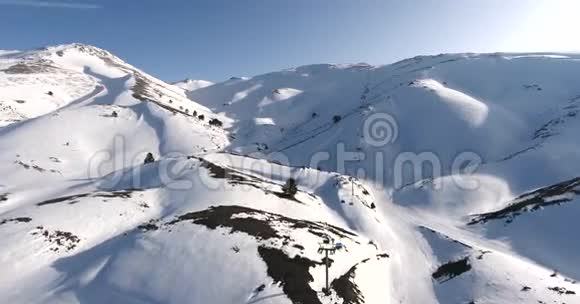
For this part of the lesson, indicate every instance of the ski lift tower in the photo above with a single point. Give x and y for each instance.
(351, 188)
(328, 247)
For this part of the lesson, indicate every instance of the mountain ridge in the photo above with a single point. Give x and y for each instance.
(119, 187)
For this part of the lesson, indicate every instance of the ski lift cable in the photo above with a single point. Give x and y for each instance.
(327, 126)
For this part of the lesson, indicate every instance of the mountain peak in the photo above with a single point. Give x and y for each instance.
(426, 179)
(188, 84)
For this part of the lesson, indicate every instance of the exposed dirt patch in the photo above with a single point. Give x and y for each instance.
(145, 91)
(532, 201)
(238, 178)
(73, 199)
(292, 273)
(58, 239)
(217, 171)
(30, 68)
(451, 269)
(254, 222)
(24, 165)
(34, 167)
(16, 220)
(3, 197)
(562, 290)
(347, 289)
(223, 216)
(148, 227)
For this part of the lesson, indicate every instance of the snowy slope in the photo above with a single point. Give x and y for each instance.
(192, 84)
(516, 112)
(73, 74)
(84, 220)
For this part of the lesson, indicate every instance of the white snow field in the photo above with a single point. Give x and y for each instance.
(192, 84)
(488, 213)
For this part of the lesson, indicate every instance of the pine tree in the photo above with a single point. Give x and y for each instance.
(290, 187)
(149, 158)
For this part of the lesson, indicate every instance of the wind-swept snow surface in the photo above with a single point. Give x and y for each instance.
(192, 84)
(445, 179)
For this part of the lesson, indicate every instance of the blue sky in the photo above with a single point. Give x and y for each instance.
(217, 39)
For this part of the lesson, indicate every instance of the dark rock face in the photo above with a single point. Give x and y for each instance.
(225, 217)
(215, 122)
(347, 289)
(292, 273)
(532, 201)
(73, 199)
(451, 269)
(16, 220)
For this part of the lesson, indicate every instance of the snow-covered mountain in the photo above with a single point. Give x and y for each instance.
(446, 179)
(192, 84)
